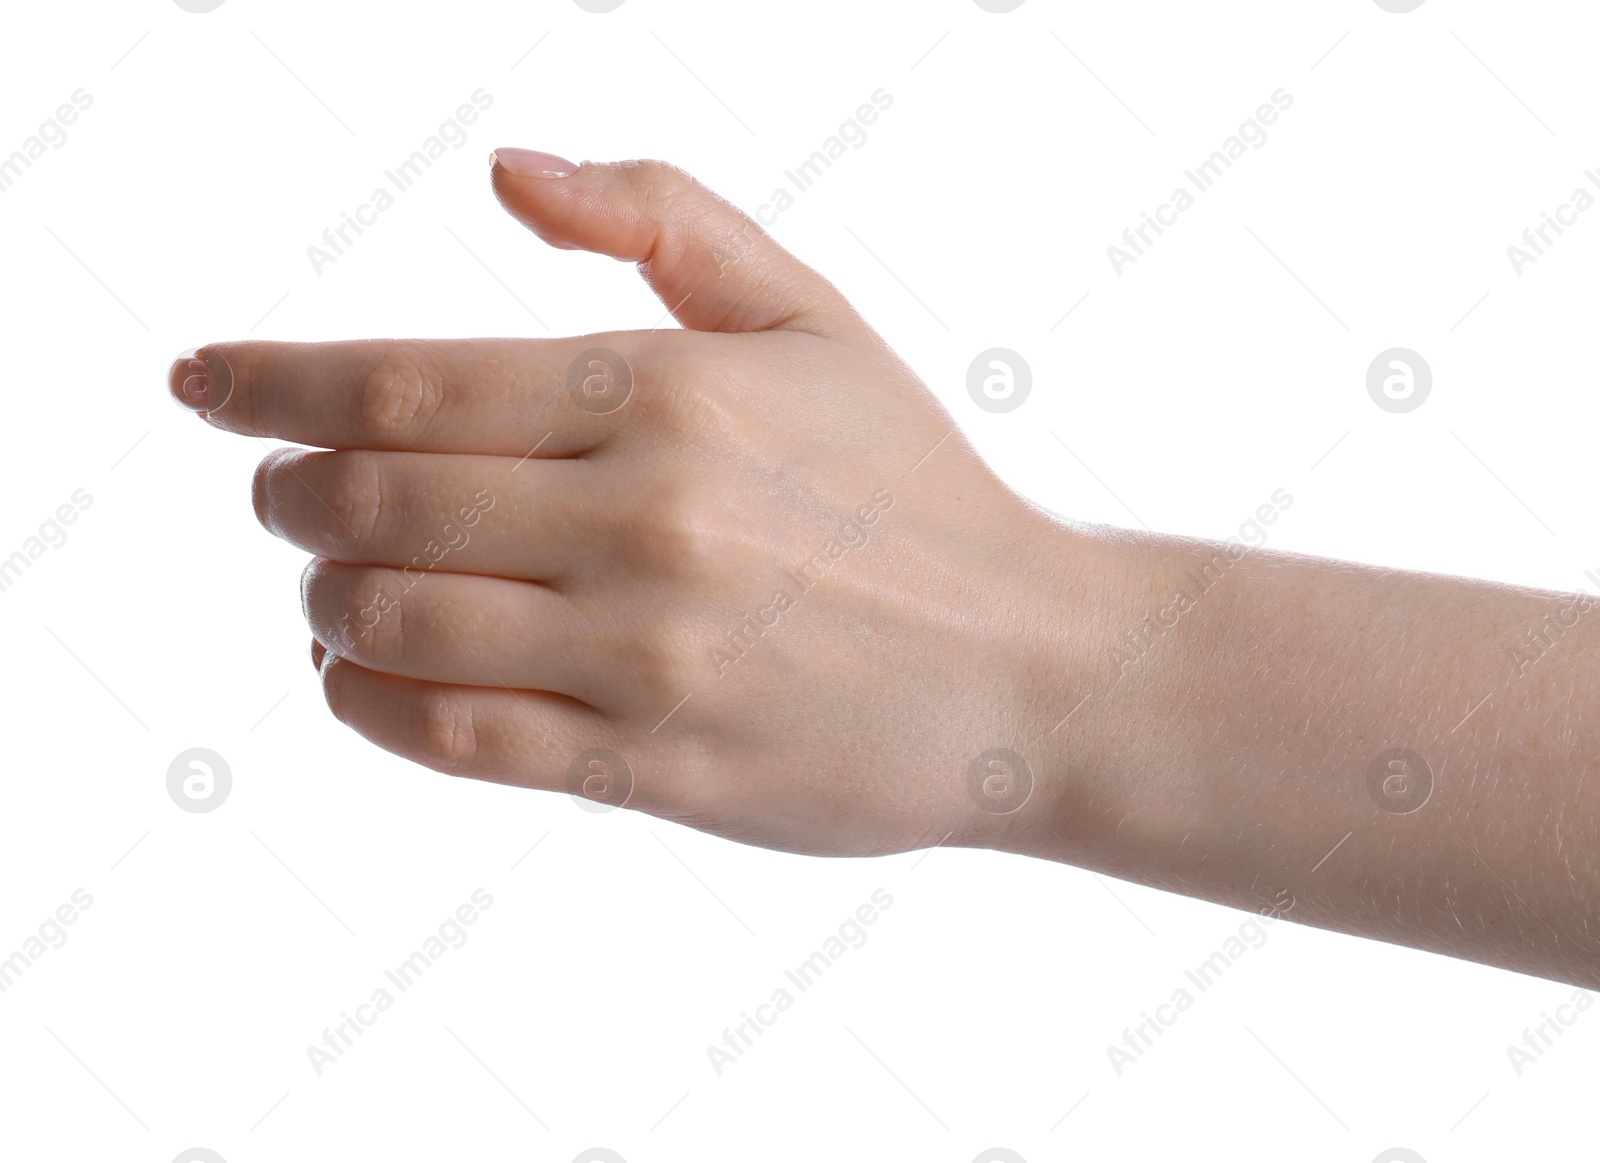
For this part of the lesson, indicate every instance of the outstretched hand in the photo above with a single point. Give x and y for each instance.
(745, 575)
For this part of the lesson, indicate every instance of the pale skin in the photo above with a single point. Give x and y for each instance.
(582, 579)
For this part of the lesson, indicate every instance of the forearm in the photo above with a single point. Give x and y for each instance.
(1244, 732)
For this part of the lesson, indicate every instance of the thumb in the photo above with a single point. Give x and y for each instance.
(708, 261)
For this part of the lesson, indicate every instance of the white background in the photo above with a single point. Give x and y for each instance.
(1228, 362)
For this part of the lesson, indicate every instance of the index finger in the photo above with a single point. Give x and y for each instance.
(494, 397)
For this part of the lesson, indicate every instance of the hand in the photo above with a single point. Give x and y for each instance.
(747, 576)
(753, 560)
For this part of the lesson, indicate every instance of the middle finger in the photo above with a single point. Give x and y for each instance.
(426, 511)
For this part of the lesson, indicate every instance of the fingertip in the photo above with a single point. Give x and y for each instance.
(200, 380)
(262, 488)
(187, 380)
(711, 264)
(258, 487)
(333, 671)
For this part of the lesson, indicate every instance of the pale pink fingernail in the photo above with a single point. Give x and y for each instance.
(530, 163)
(188, 381)
(201, 383)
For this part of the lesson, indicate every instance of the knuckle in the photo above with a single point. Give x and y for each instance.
(674, 532)
(356, 499)
(401, 394)
(448, 737)
(688, 395)
(690, 216)
(661, 184)
(679, 660)
(669, 409)
(372, 623)
(662, 662)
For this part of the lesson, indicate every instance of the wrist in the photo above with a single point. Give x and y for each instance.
(1134, 616)
(1052, 787)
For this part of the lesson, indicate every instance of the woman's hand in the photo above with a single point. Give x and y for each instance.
(748, 576)
(745, 575)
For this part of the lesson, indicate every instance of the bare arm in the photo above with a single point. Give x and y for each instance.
(1411, 756)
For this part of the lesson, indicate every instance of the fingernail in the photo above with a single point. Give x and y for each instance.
(189, 382)
(530, 163)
